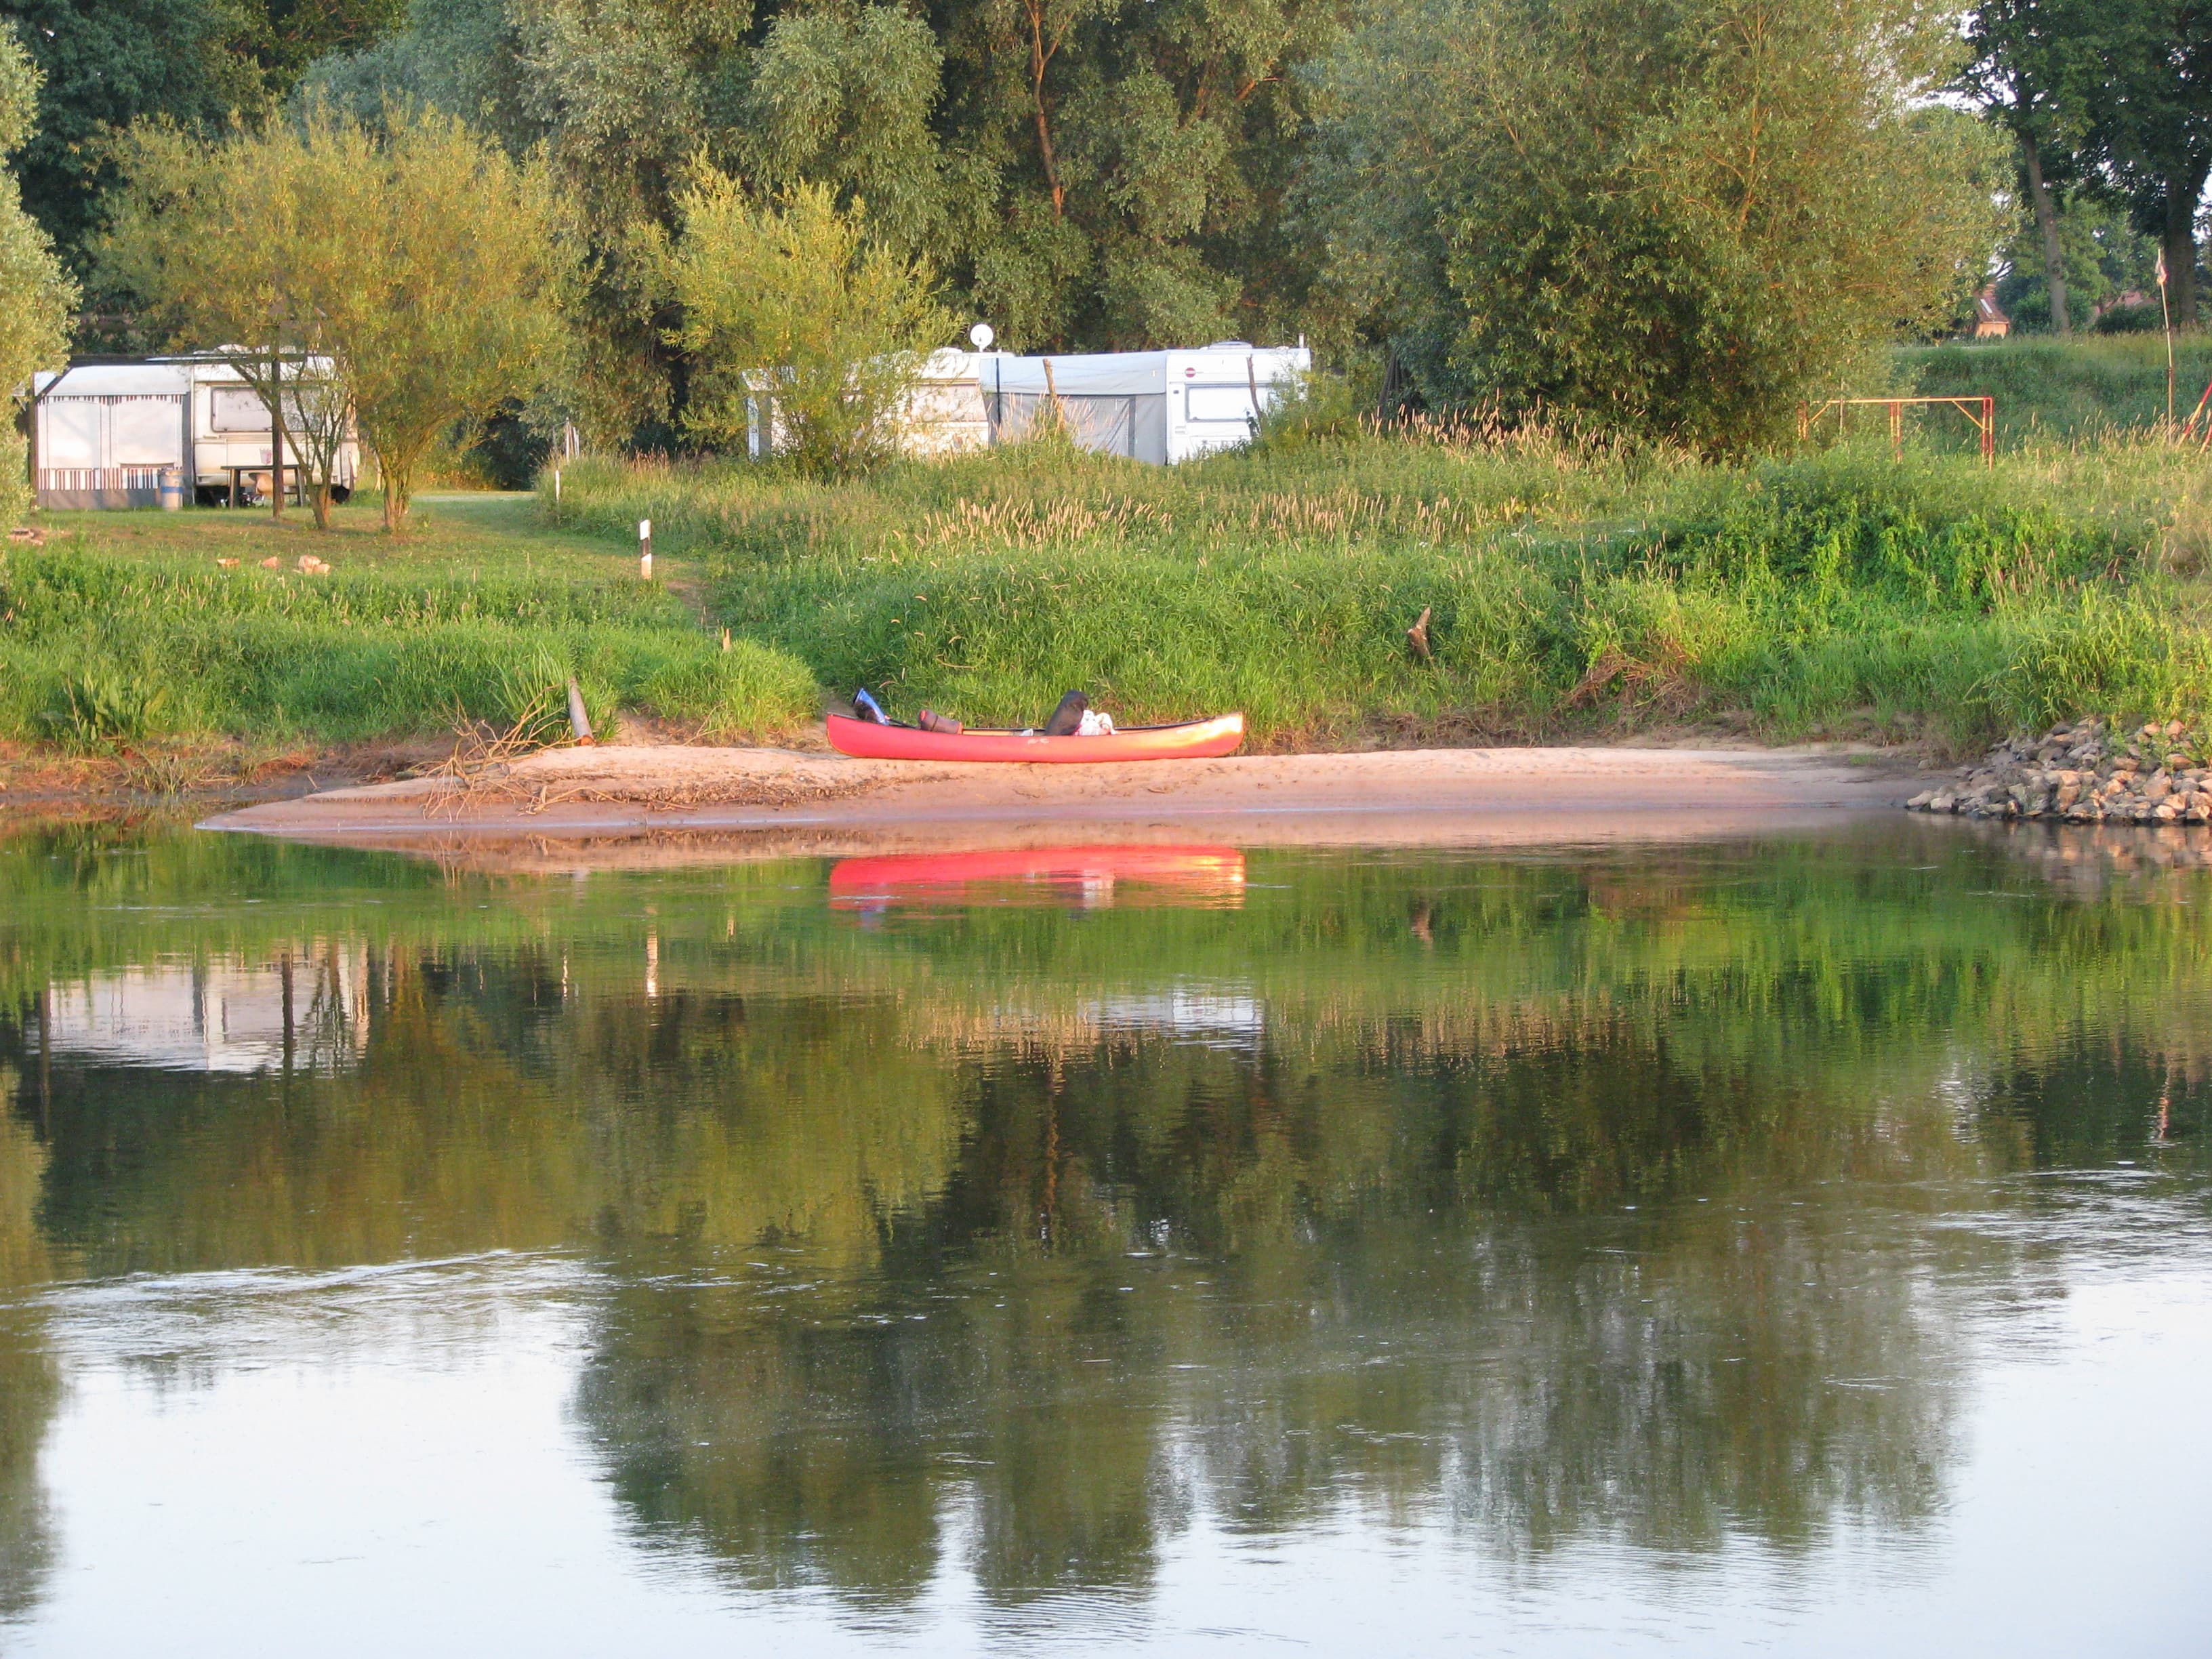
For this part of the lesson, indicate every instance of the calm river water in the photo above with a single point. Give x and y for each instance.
(1799, 1246)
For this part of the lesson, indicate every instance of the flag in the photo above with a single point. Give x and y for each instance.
(2161, 267)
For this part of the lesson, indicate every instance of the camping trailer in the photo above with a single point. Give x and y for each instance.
(1157, 406)
(945, 413)
(105, 432)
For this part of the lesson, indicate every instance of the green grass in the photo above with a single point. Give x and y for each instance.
(125, 628)
(1573, 592)
(1837, 594)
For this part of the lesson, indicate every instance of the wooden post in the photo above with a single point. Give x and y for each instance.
(1989, 431)
(1896, 430)
(1052, 390)
(2165, 310)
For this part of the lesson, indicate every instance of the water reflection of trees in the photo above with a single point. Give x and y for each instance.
(29, 1386)
(1404, 1336)
(931, 1223)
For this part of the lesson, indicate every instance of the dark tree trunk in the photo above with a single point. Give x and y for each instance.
(2046, 220)
(2180, 247)
(277, 435)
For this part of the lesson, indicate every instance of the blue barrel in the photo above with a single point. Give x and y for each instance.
(172, 489)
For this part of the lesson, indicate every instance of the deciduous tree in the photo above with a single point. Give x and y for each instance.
(1676, 219)
(111, 65)
(2033, 67)
(796, 319)
(430, 269)
(36, 296)
(2150, 127)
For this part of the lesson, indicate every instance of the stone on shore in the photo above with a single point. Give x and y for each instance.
(2086, 773)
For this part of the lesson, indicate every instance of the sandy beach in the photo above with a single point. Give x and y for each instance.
(646, 806)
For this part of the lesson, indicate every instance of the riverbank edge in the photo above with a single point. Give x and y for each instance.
(788, 801)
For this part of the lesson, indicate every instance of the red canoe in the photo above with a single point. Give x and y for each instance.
(1193, 740)
(1203, 874)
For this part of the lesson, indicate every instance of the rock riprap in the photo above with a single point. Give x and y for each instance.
(2085, 773)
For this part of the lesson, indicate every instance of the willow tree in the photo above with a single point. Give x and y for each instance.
(799, 323)
(1082, 173)
(35, 297)
(467, 265)
(246, 294)
(409, 272)
(1678, 218)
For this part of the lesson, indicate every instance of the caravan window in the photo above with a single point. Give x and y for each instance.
(1219, 403)
(148, 431)
(233, 409)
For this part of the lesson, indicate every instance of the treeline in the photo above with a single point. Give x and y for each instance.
(1676, 218)
(2108, 107)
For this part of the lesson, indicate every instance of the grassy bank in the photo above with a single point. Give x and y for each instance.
(129, 629)
(2047, 388)
(1570, 592)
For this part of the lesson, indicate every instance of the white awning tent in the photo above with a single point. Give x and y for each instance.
(106, 431)
(1157, 406)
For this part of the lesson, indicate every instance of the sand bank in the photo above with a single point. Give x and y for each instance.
(565, 807)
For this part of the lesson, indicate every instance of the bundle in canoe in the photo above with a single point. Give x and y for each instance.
(1191, 740)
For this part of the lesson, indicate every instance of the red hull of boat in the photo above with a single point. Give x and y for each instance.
(1195, 740)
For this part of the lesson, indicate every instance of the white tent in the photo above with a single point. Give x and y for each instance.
(1157, 406)
(105, 432)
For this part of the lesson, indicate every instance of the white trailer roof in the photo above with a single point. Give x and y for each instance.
(1134, 373)
(119, 380)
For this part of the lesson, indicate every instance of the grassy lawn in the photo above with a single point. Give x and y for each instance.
(2048, 388)
(466, 537)
(1571, 591)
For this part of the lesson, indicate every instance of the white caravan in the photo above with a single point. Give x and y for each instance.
(1157, 406)
(107, 432)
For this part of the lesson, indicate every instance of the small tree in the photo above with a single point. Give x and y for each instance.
(411, 276)
(794, 317)
(466, 267)
(248, 287)
(35, 297)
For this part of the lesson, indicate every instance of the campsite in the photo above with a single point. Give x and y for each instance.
(1042, 826)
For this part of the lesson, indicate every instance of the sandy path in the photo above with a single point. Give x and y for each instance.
(643, 805)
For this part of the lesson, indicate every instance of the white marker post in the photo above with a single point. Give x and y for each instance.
(645, 549)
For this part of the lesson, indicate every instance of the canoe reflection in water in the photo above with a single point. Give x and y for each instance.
(1082, 877)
